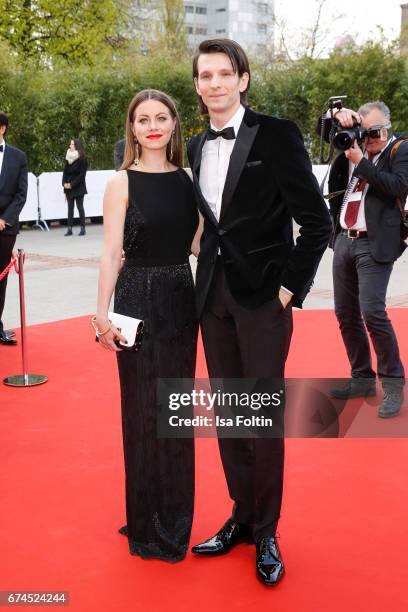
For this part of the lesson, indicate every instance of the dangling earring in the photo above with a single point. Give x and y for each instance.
(171, 145)
(136, 160)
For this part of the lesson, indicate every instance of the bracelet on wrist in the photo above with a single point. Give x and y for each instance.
(97, 331)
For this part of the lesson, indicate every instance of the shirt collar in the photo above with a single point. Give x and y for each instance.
(234, 122)
(377, 155)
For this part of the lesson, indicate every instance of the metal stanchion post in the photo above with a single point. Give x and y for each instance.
(25, 379)
(41, 223)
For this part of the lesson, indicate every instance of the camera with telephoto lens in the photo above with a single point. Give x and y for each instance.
(338, 137)
(343, 139)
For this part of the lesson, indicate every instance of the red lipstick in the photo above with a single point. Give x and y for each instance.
(154, 136)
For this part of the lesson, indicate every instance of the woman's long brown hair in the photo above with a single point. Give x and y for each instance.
(130, 145)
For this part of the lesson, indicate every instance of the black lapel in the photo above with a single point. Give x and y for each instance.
(196, 179)
(245, 138)
(6, 155)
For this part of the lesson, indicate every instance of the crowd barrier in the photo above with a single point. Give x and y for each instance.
(30, 210)
(46, 199)
(51, 198)
(25, 379)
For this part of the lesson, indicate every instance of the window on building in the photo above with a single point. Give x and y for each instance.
(189, 30)
(189, 9)
(220, 31)
(261, 50)
(201, 31)
(201, 10)
(262, 28)
(262, 8)
(220, 10)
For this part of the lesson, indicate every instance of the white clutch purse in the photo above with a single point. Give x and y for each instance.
(129, 327)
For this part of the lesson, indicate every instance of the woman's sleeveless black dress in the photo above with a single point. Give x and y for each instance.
(156, 285)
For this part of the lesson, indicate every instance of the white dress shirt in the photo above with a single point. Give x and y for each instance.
(215, 161)
(2, 153)
(360, 223)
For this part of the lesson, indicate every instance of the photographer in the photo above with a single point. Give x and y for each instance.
(371, 175)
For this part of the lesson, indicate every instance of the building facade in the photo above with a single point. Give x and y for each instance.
(249, 22)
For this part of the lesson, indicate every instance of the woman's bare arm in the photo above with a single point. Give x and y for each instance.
(195, 245)
(114, 212)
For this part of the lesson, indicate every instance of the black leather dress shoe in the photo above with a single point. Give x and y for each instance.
(227, 537)
(269, 564)
(9, 333)
(4, 339)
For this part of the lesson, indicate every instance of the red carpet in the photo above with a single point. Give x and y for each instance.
(344, 531)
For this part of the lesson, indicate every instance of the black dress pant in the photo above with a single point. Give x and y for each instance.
(243, 343)
(360, 287)
(6, 249)
(80, 206)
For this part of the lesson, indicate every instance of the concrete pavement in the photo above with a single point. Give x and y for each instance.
(61, 275)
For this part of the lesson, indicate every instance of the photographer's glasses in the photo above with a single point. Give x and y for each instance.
(375, 131)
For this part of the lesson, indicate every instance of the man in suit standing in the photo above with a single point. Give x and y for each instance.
(252, 176)
(13, 194)
(367, 240)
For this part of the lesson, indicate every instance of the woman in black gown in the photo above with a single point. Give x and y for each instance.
(150, 212)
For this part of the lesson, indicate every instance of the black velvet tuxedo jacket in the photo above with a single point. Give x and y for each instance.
(269, 183)
(387, 180)
(13, 188)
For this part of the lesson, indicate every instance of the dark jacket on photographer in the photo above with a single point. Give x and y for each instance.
(387, 181)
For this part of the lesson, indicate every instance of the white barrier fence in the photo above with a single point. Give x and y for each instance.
(46, 199)
(30, 210)
(51, 196)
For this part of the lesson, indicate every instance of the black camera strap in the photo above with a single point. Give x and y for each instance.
(333, 194)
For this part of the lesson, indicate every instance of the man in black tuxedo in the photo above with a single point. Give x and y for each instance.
(367, 240)
(252, 176)
(13, 194)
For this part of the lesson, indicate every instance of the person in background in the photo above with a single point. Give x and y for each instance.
(73, 181)
(13, 194)
(118, 153)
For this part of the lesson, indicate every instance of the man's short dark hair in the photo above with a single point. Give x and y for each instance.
(4, 120)
(237, 56)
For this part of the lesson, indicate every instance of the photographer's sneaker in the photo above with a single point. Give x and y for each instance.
(392, 402)
(356, 387)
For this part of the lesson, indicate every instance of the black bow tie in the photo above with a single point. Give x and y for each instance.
(1, 148)
(227, 133)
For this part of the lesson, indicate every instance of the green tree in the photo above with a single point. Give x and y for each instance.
(162, 26)
(173, 20)
(49, 107)
(75, 30)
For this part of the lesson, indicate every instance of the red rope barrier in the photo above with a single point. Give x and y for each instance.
(8, 268)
